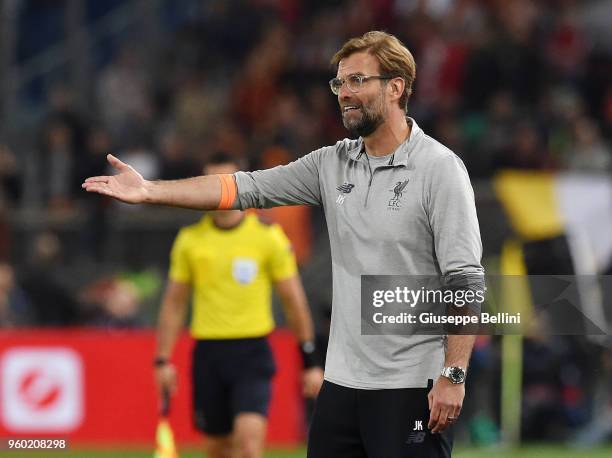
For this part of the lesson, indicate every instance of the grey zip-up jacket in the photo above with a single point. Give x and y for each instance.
(412, 215)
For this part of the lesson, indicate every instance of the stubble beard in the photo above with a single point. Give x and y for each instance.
(372, 116)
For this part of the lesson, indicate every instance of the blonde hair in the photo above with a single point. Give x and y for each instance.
(393, 57)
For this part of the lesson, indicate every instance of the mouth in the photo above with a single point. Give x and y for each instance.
(349, 108)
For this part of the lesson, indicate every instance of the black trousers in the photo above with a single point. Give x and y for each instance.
(354, 423)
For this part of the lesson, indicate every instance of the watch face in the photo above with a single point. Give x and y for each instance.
(457, 375)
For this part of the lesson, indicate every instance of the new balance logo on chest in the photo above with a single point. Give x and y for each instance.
(344, 188)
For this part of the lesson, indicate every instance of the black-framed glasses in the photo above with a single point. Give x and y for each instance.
(354, 82)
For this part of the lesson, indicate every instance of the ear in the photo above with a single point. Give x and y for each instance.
(396, 88)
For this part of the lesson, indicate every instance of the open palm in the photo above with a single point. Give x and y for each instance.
(127, 186)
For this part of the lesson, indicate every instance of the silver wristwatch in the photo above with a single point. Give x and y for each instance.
(455, 374)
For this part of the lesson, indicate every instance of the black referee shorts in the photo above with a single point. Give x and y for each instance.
(230, 377)
(352, 423)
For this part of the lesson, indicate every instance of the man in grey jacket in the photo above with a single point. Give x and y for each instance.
(397, 202)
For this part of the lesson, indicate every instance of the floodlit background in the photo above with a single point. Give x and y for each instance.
(521, 90)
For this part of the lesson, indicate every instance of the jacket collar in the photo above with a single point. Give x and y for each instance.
(400, 155)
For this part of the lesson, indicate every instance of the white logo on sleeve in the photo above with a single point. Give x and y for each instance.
(41, 390)
(418, 425)
(244, 270)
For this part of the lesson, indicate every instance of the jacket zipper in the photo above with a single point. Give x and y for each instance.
(372, 172)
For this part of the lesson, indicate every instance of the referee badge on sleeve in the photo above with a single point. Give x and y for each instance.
(244, 270)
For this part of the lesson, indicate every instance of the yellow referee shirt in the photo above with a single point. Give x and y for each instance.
(231, 272)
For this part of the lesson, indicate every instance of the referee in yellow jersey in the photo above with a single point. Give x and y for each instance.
(228, 262)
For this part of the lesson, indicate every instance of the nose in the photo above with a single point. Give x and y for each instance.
(344, 92)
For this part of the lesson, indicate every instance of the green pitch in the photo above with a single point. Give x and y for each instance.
(525, 452)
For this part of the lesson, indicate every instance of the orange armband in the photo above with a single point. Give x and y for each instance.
(229, 191)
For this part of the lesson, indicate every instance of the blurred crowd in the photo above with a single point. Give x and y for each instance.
(522, 84)
(504, 84)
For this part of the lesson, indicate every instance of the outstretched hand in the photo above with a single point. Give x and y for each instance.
(127, 186)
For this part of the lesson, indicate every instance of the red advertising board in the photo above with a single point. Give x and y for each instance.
(96, 387)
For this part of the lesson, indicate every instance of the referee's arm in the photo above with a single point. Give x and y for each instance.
(295, 305)
(172, 315)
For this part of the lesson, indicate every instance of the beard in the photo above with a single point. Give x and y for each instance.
(371, 118)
